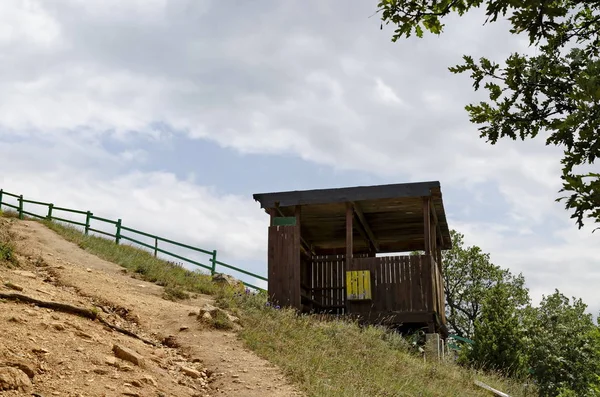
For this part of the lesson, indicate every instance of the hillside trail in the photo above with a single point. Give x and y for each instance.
(72, 275)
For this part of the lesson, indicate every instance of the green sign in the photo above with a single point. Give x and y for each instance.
(284, 221)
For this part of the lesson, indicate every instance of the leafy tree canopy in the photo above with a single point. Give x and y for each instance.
(499, 332)
(555, 93)
(563, 345)
(469, 275)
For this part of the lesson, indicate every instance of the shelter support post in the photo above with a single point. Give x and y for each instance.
(349, 235)
(427, 225)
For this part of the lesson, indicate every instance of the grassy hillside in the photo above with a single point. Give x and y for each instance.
(325, 358)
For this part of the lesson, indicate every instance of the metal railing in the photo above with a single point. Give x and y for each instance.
(118, 234)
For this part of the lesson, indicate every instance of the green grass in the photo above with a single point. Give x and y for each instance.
(323, 357)
(173, 277)
(333, 357)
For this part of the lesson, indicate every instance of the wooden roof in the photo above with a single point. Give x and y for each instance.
(392, 213)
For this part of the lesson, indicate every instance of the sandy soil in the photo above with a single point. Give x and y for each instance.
(67, 355)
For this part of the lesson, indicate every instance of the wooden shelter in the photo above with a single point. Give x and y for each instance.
(327, 249)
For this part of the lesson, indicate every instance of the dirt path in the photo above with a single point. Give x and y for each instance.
(74, 276)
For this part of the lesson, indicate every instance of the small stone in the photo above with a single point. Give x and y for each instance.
(136, 383)
(10, 285)
(14, 379)
(207, 308)
(149, 380)
(226, 279)
(206, 316)
(170, 341)
(192, 373)
(23, 366)
(88, 270)
(16, 320)
(84, 335)
(128, 355)
(25, 273)
(40, 350)
(100, 371)
(110, 361)
(184, 328)
(192, 314)
(231, 318)
(58, 326)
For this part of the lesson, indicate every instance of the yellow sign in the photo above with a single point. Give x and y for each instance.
(358, 285)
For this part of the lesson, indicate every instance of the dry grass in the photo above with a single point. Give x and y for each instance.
(340, 358)
(7, 246)
(173, 277)
(324, 358)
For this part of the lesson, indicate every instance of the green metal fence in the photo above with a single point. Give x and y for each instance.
(119, 235)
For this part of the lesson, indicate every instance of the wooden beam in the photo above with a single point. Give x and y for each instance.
(349, 235)
(365, 225)
(272, 214)
(438, 228)
(427, 225)
(364, 236)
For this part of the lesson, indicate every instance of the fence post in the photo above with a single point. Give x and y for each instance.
(155, 246)
(118, 234)
(21, 206)
(214, 262)
(1, 190)
(88, 217)
(50, 207)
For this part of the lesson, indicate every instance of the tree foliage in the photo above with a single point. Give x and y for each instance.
(563, 345)
(499, 332)
(555, 93)
(469, 275)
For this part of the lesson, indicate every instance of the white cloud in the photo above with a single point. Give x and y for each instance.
(25, 22)
(386, 94)
(153, 202)
(567, 262)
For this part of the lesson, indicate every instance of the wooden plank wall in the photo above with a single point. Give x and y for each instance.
(284, 266)
(400, 283)
(328, 282)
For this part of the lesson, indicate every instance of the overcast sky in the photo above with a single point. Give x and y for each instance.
(171, 114)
